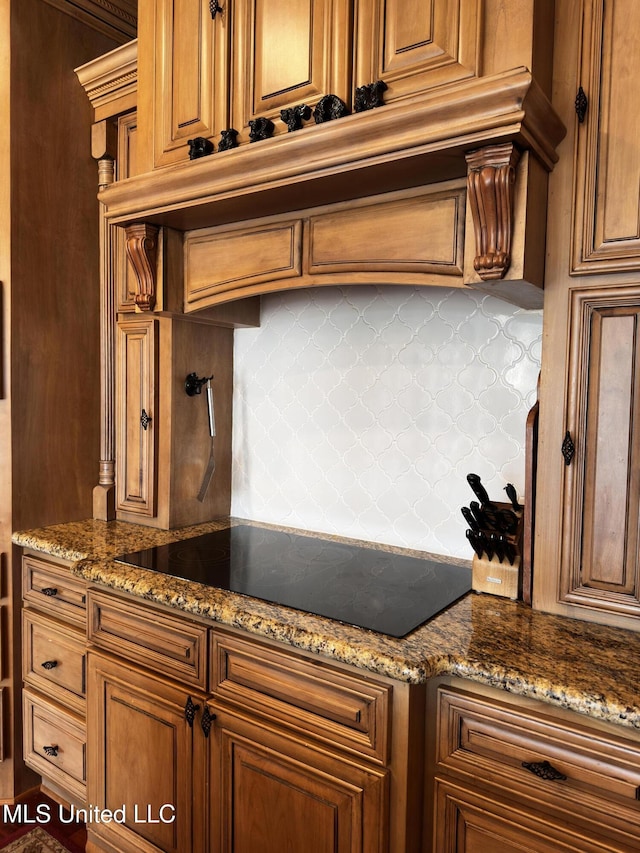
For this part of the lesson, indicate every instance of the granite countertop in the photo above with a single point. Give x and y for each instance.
(589, 668)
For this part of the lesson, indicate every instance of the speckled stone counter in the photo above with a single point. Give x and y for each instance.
(592, 669)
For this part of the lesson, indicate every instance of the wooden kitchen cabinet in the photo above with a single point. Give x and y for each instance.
(144, 756)
(513, 774)
(271, 793)
(287, 53)
(187, 90)
(586, 546)
(606, 236)
(162, 434)
(202, 75)
(414, 46)
(54, 674)
(283, 751)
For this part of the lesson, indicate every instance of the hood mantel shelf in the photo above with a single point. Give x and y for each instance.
(419, 141)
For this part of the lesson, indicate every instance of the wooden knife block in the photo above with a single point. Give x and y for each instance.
(500, 578)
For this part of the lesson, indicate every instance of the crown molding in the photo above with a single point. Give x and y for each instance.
(117, 19)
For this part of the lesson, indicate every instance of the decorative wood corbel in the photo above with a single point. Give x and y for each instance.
(142, 251)
(490, 180)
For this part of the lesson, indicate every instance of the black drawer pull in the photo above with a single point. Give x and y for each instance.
(207, 720)
(190, 709)
(544, 770)
(52, 751)
(49, 590)
(50, 664)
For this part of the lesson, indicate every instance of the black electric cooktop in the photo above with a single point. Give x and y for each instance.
(384, 592)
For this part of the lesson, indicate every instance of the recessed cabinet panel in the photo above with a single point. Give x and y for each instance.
(191, 97)
(135, 468)
(221, 260)
(601, 561)
(417, 234)
(288, 52)
(607, 199)
(415, 45)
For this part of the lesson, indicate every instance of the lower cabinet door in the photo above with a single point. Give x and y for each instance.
(271, 793)
(143, 767)
(468, 822)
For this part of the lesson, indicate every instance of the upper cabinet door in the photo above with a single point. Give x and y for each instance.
(414, 45)
(607, 186)
(191, 76)
(286, 53)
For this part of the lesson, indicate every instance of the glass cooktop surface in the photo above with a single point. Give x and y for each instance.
(385, 592)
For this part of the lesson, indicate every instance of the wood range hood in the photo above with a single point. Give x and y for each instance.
(488, 142)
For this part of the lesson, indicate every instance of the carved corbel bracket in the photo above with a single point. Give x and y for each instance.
(490, 180)
(142, 251)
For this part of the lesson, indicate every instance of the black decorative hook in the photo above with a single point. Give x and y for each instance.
(193, 385)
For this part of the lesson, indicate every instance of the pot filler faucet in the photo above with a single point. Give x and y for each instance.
(193, 385)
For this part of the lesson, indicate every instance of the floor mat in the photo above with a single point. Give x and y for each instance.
(36, 840)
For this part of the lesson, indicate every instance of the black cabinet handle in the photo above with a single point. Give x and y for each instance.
(544, 770)
(190, 709)
(51, 751)
(207, 720)
(50, 664)
(49, 590)
(214, 8)
(145, 419)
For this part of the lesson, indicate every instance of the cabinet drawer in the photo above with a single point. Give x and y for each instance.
(55, 744)
(173, 646)
(53, 659)
(50, 586)
(492, 741)
(329, 704)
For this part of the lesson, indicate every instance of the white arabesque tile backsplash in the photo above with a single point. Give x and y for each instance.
(360, 410)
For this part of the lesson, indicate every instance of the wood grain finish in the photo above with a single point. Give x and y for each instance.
(606, 234)
(319, 701)
(414, 45)
(133, 714)
(142, 251)
(408, 237)
(137, 342)
(273, 793)
(152, 638)
(48, 585)
(48, 725)
(485, 791)
(285, 53)
(53, 657)
(600, 561)
(189, 76)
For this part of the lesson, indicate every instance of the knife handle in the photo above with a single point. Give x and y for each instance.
(470, 519)
(478, 489)
(513, 497)
(474, 542)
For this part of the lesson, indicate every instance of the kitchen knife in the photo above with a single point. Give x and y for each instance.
(211, 464)
(497, 541)
(507, 521)
(470, 519)
(478, 489)
(478, 514)
(513, 497)
(474, 542)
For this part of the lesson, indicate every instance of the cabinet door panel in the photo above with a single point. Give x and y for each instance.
(191, 80)
(415, 45)
(272, 793)
(288, 52)
(135, 466)
(607, 229)
(141, 758)
(467, 822)
(601, 561)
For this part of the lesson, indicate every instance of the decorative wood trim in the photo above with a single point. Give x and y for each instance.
(111, 80)
(344, 159)
(117, 19)
(142, 251)
(490, 183)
